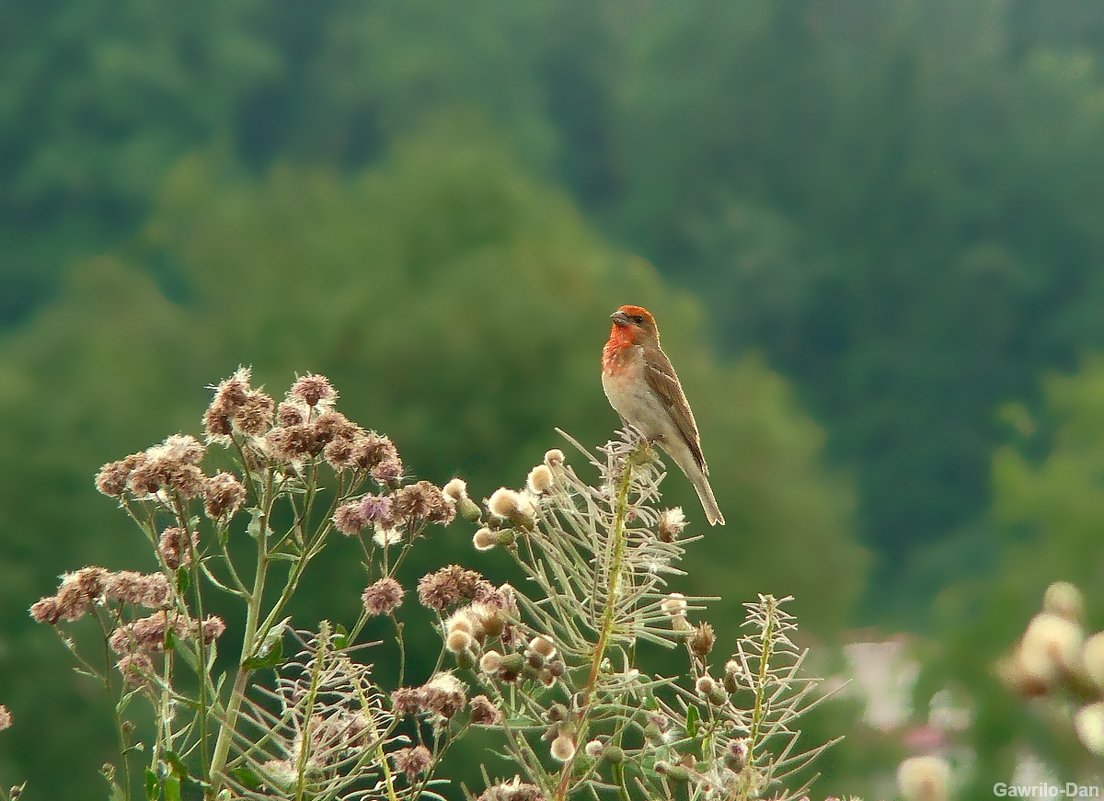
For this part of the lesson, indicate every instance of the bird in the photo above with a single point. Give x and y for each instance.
(644, 390)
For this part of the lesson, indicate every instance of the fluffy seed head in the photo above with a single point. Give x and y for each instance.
(456, 489)
(349, 518)
(924, 778)
(1063, 598)
(458, 641)
(484, 712)
(1088, 722)
(313, 390)
(540, 479)
(671, 523)
(543, 646)
(563, 748)
(384, 537)
(412, 762)
(423, 502)
(490, 662)
(382, 597)
(254, 416)
(705, 686)
(484, 539)
(175, 547)
(444, 695)
(554, 457)
(674, 604)
(593, 749)
(1051, 646)
(5, 718)
(223, 496)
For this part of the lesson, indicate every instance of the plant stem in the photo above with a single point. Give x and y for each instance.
(621, 507)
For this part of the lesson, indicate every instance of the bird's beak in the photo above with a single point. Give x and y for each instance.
(619, 318)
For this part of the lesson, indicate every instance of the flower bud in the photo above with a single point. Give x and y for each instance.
(563, 748)
(613, 755)
(593, 749)
(924, 778)
(543, 646)
(1088, 722)
(491, 662)
(484, 540)
(1063, 598)
(554, 457)
(539, 480)
(458, 641)
(469, 509)
(701, 640)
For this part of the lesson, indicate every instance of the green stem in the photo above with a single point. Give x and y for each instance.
(621, 507)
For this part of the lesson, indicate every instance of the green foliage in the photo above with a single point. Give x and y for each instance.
(461, 308)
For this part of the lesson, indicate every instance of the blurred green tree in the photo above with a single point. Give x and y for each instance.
(458, 304)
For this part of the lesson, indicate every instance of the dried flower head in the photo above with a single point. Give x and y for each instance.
(383, 597)
(136, 669)
(1088, 722)
(563, 748)
(554, 457)
(458, 641)
(513, 790)
(423, 502)
(444, 695)
(455, 490)
(46, 610)
(924, 778)
(1063, 598)
(292, 443)
(150, 590)
(484, 712)
(212, 628)
(450, 586)
(540, 479)
(511, 505)
(484, 539)
(674, 604)
(371, 449)
(223, 496)
(113, 476)
(146, 634)
(313, 390)
(291, 413)
(671, 523)
(5, 718)
(349, 518)
(490, 662)
(701, 640)
(412, 762)
(1092, 659)
(1051, 646)
(543, 646)
(593, 749)
(407, 700)
(254, 416)
(176, 546)
(388, 472)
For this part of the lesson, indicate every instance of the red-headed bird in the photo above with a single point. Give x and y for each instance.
(642, 387)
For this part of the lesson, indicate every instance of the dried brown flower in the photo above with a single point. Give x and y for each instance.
(451, 585)
(701, 640)
(113, 476)
(150, 590)
(484, 712)
(407, 700)
(232, 391)
(388, 472)
(175, 547)
(254, 416)
(370, 449)
(213, 627)
(5, 718)
(349, 518)
(293, 443)
(223, 496)
(146, 634)
(339, 453)
(412, 762)
(331, 425)
(382, 597)
(46, 610)
(444, 695)
(135, 668)
(423, 502)
(513, 790)
(313, 389)
(217, 423)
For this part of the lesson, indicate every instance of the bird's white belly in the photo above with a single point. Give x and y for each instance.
(631, 397)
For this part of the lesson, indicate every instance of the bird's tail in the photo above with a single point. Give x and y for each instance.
(686, 462)
(705, 495)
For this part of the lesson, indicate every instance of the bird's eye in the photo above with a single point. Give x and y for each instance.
(636, 318)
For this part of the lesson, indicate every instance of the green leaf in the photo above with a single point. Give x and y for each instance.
(692, 721)
(263, 660)
(247, 777)
(254, 527)
(170, 640)
(183, 580)
(153, 789)
(341, 636)
(172, 789)
(180, 770)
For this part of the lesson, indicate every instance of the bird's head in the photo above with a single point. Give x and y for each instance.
(634, 325)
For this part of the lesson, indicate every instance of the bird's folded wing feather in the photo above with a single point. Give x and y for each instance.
(661, 377)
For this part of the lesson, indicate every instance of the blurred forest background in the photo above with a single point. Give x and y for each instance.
(872, 232)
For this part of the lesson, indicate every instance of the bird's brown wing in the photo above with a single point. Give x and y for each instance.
(661, 377)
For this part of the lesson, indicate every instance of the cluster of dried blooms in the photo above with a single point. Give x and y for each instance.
(559, 673)
(1056, 659)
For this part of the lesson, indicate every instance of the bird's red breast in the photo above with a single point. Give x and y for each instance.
(620, 340)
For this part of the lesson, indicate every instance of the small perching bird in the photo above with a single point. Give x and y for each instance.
(643, 388)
